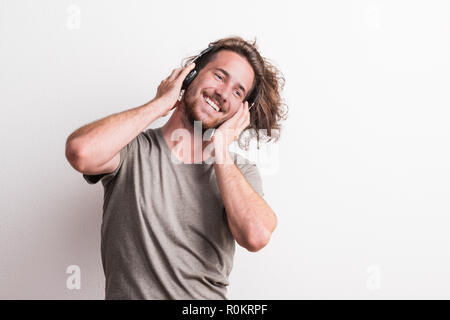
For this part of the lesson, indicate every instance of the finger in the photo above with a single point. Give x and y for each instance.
(180, 70)
(245, 107)
(174, 73)
(247, 111)
(243, 123)
(184, 72)
(240, 123)
(242, 110)
(246, 115)
(175, 105)
(247, 120)
(237, 116)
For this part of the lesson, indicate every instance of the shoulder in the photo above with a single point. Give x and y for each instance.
(250, 171)
(145, 139)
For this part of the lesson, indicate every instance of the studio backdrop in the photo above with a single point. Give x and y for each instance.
(359, 178)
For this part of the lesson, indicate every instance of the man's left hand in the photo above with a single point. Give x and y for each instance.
(228, 132)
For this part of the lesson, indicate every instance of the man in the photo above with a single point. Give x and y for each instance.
(171, 216)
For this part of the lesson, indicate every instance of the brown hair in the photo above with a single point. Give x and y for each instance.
(269, 109)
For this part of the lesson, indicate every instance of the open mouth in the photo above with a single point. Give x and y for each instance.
(211, 103)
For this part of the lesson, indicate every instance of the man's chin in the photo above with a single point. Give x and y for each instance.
(207, 123)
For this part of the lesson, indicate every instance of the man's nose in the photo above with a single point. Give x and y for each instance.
(222, 93)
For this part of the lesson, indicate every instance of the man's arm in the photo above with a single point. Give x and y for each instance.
(95, 147)
(250, 218)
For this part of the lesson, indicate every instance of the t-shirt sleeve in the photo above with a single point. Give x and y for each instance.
(106, 177)
(251, 173)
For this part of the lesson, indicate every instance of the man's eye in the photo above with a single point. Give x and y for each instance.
(238, 93)
(218, 76)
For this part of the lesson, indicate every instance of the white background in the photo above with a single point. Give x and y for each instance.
(361, 180)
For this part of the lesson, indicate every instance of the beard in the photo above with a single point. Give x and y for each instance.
(193, 111)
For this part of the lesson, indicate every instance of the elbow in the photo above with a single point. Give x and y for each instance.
(254, 248)
(261, 237)
(257, 243)
(74, 155)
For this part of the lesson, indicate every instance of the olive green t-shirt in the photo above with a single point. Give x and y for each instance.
(164, 232)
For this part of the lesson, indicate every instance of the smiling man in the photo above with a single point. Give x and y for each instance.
(222, 83)
(169, 227)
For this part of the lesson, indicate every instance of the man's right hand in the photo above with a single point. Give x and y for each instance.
(95, 147)
(169, 89)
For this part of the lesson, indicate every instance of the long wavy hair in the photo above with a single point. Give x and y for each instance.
(269, 109)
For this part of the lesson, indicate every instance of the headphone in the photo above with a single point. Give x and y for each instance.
(191, 76)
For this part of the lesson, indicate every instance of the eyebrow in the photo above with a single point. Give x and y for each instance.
(228, 75)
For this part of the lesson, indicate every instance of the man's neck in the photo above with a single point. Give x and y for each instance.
(179, 133)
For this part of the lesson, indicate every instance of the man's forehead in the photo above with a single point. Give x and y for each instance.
(229, 58)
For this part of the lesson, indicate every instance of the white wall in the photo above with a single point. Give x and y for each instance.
(362, 173)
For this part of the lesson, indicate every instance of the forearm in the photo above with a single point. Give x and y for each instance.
(250, 219)
(99, 141)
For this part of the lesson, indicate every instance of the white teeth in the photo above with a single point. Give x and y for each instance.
(212, 104)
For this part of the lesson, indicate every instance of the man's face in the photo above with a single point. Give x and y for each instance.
(225, 81)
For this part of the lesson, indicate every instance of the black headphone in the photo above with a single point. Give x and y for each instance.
(191, 76)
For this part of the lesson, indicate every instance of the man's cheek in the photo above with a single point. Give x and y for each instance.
(191, 99)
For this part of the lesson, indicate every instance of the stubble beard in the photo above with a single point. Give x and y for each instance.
(192, 113)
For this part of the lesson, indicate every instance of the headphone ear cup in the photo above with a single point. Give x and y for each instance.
(190, 77)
